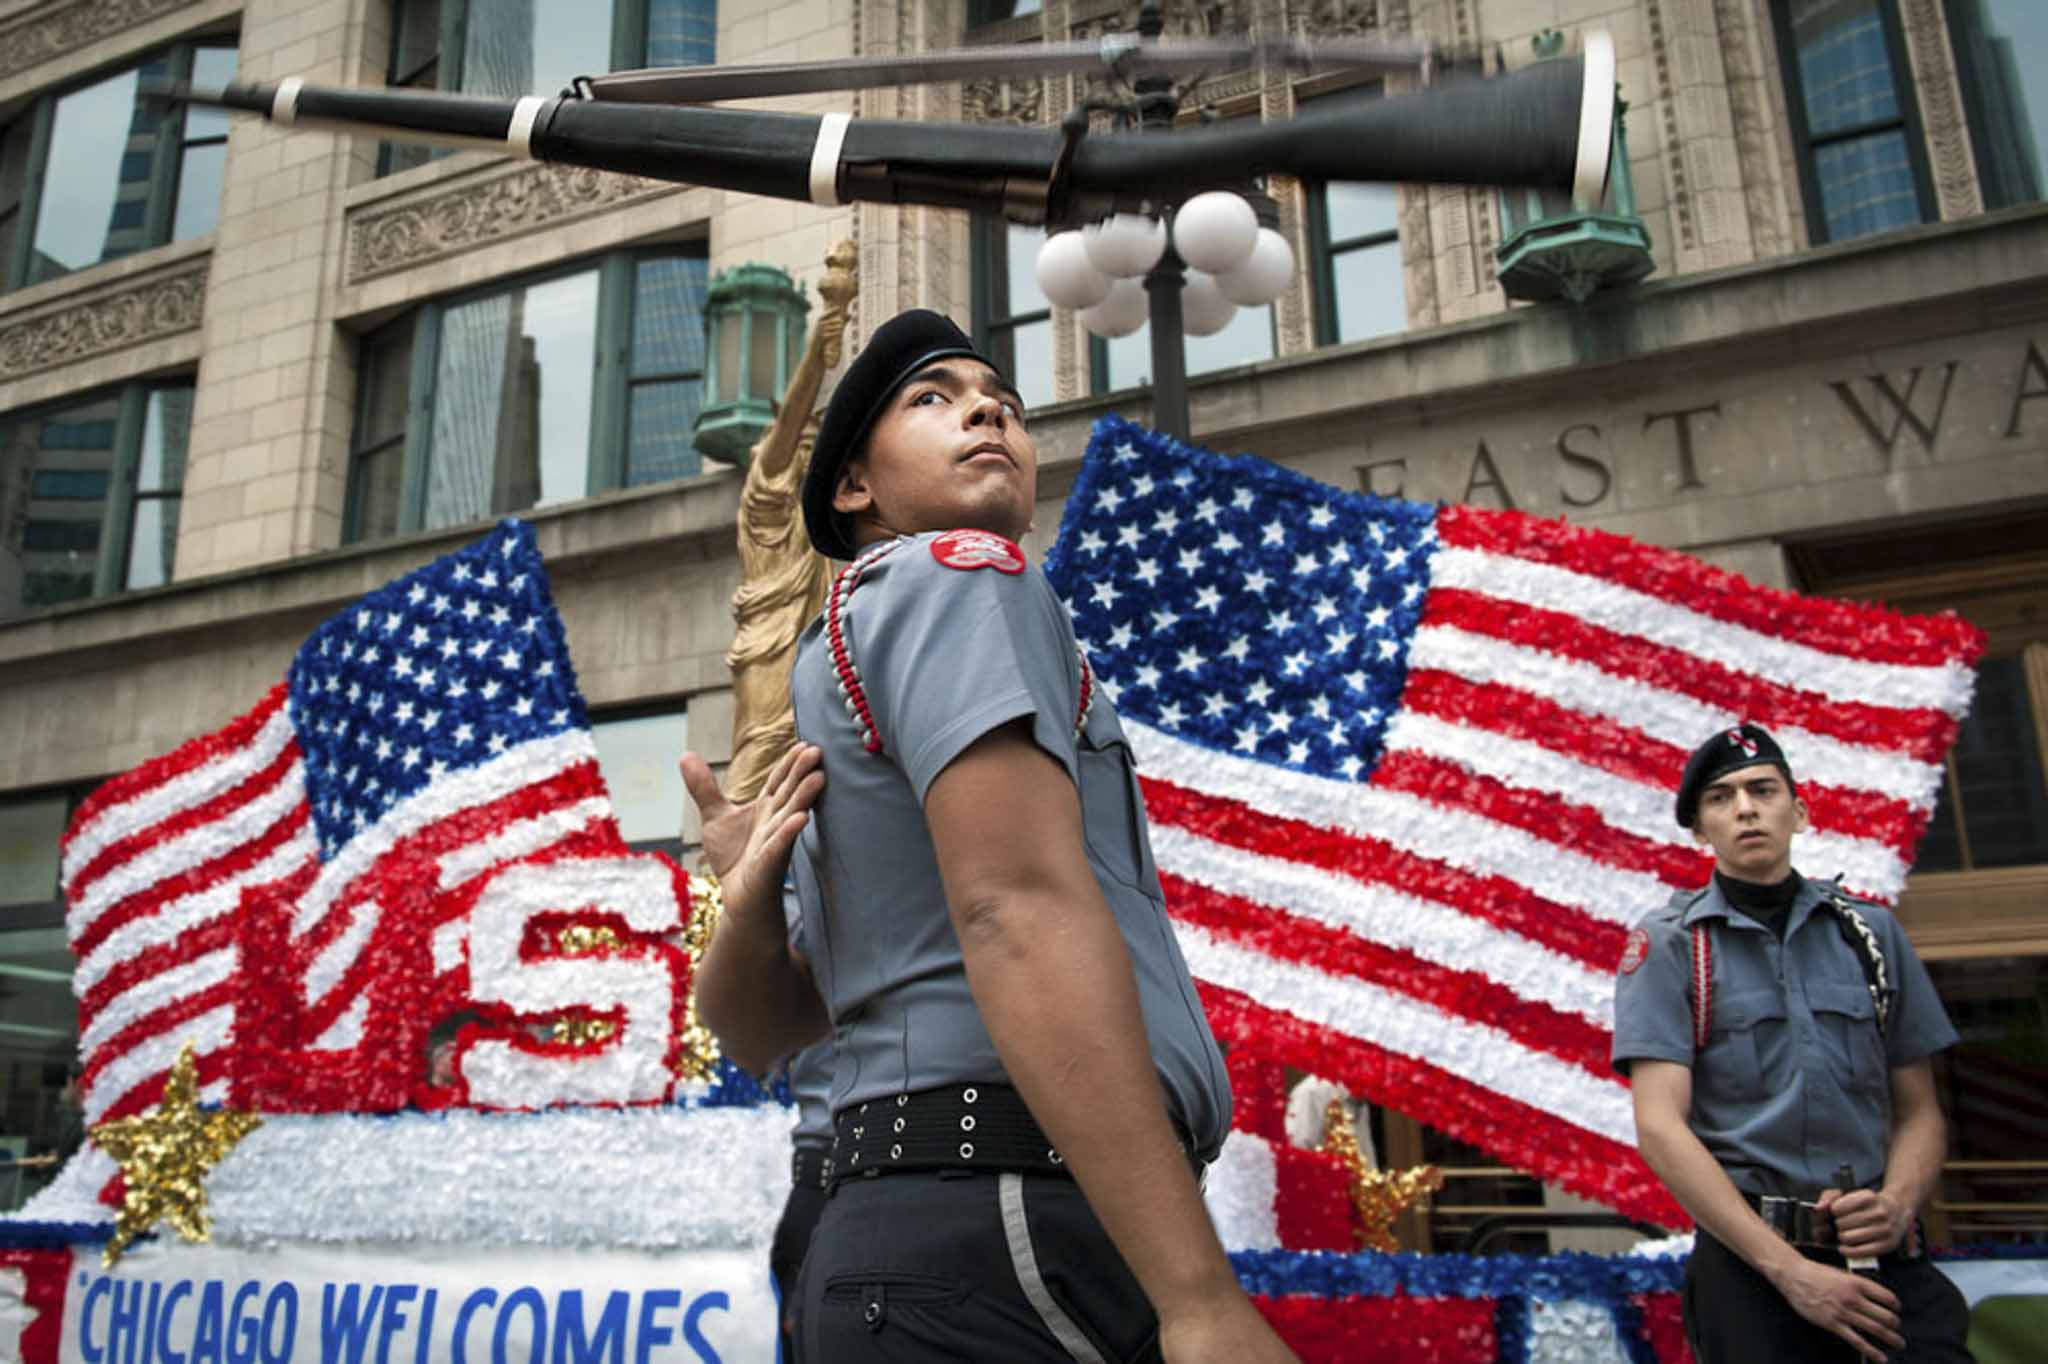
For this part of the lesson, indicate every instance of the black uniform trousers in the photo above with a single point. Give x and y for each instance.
(968, 1265)
(793, 1235)
(1734, 1316)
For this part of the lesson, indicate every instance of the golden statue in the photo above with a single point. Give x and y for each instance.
(782, 579)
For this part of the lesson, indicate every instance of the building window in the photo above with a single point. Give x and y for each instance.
(1855, 127)
(1013, 323)
(535, 391)
(2006, 92)
(96, 172)
(1355, 262)
(1126, 361)
(1354, 249)
(981, 12)
(1993, 808)
(519, 47)
(1012, 320)
(637, 756)
(1991, 814)
(40, 1121)
(89, 495)
(1994, 1088)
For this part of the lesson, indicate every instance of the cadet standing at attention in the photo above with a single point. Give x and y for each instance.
(1025, 1087)
(1777, 1033)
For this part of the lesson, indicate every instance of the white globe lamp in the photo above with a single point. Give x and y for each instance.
(1204, 310)
(1215, 231)
(1066, 276)
(1122, 311)
(1264, 274)
(1125, 245)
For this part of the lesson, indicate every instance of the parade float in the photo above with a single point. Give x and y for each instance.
(387, 1046)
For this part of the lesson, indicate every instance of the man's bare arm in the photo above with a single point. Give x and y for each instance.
(1054, 984)
(1856, 1309)
(754, 994)
(1873, 1222)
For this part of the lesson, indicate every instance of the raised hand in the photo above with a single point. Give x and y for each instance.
(749, 845)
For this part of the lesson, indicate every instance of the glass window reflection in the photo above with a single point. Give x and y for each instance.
(159, 481)
(681, 32)
(1246, 339)
(532, 394)
(56, 466)
(29, 829)
(1851, 112)
(1362, 290)
(88, 178)
(665, 381)
(115, 173)
(512, 390)
(520, 47)
(1012, 317)
(2001, 49)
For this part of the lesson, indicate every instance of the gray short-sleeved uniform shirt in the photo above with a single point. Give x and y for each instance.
(1794, 1078)
(945, 655)
(809, 1071)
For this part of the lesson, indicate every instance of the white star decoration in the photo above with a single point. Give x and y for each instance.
(373, 694)
(1196, 600)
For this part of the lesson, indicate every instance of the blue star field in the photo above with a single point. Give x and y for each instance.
(441, 670)
(1241, 606)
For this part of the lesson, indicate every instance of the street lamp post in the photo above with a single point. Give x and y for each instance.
(1157, 108)
(1198, 261)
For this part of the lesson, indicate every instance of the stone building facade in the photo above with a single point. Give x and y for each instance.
(243, 370)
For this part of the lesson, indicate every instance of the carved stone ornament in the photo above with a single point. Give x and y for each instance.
(1749, 107)
(145, 311)
(47, 32)
(1956, 190)
(1004, 101)
(1343, 19)
(1677, 186)
(381, 240)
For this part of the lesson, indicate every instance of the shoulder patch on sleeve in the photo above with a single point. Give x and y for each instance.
(971, 549)
(1635, 951)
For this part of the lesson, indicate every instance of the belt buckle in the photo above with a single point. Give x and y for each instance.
(1800, 1222)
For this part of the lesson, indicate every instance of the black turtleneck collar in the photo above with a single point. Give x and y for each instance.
(1770, 905)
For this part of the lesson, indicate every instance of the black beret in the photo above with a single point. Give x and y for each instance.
(899, 348)
(1745, 745)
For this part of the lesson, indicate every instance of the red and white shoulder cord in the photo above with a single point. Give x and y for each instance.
(850, 690)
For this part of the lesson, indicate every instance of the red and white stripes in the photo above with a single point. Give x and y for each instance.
(1443, 937)
(154, 869)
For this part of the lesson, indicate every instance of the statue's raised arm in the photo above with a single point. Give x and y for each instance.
(782, 579)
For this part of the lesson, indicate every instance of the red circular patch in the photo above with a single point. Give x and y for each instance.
(965, 549)
(1634, 951)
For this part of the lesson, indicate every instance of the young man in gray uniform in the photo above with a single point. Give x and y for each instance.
(809, 1076)
(1025, 1086)
(1776, 1034)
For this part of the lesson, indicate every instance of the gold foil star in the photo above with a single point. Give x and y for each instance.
(1379, 1195)
(166, 1155)
(699, 1057)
